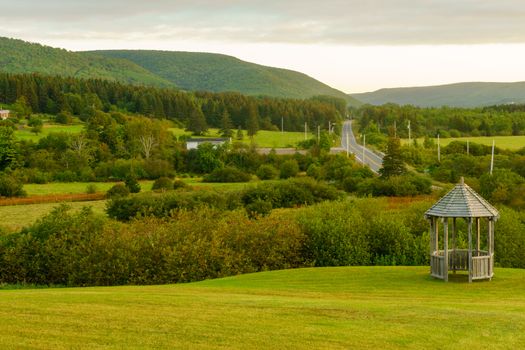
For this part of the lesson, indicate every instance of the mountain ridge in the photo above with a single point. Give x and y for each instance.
(219, 72)
(463, 94)
(195, 71)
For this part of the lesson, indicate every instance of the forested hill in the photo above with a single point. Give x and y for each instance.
(185, 70)
(217, 73)
(17, 56)
(474, 94)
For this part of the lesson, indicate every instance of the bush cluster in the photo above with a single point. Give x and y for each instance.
(10, 187)
(79, 249)
(227, 174)
(258, 200)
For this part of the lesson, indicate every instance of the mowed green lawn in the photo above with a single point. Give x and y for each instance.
(315, 308)
(263, 138)
(26, 134)
(505, 142)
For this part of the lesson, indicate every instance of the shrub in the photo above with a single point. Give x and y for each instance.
(287, 194)
(179, 184)
(10, 187)
(314, 171)
(162, 184)
(258, 208)
(289, 168)
(132, 184)
(402, 185)
(227, 174)
(157, 168)
(64, 118)
(118, 190)
(91, 188)
(119, 170)
(335, 235)
(267, 172)
(165, 204)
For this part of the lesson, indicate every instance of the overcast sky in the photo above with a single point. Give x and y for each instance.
(351, 45)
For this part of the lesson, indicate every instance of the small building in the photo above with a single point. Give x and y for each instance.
(4, 114)
(462, 202)
(193, 143)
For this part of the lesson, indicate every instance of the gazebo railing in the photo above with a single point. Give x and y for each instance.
(482, 263)
(482, 266)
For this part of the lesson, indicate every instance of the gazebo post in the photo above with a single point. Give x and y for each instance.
(491, 246)
(436, 234)
(478, 229)
(454, 245)
(445, 251)
(470, 250)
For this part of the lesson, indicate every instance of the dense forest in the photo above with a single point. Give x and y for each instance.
(82, 97)
(503, 120)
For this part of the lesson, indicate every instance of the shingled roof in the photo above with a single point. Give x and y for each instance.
(462, 202)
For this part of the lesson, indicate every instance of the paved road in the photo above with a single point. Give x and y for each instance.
(373, 160)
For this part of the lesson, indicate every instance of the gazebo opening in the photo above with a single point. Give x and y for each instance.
(462, 203)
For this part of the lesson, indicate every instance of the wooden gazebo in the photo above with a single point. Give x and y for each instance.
(461, 202)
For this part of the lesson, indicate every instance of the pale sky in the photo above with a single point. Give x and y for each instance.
(352, 45)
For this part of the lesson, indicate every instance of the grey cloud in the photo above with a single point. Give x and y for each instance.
(373, 22)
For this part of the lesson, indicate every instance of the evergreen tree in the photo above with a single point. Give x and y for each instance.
(197, 122)
(240, 134)
(226, 125)
(252, 124)
(393, 161)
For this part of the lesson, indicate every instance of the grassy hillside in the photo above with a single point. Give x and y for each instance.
(336, 308)
(454, 95)
(214, 72)
(18, 56)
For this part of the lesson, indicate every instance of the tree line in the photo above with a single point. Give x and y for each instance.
(82, 97)
(506, 120)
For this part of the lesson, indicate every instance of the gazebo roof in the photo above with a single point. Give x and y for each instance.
(462, 202)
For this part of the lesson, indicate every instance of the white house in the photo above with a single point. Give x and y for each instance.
(4, 114)
(194, 143)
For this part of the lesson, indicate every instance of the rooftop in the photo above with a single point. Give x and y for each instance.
(462, 202)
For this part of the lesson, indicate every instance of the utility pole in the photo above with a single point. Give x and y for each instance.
(305, 131)
(282, 124)
(492, 157)
(329, 127)
(409, 136)
(468, 150)
(439, 151)
(364, 145)
(395, 129)
(347, 146)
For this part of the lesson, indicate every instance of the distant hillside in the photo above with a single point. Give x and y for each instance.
(454, 95)
(17, 56)
(213, 72)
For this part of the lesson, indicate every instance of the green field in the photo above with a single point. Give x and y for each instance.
(316, 308)
(15, 217)
(505, 142)
(26, 134)
(263, 138)
(74, 187)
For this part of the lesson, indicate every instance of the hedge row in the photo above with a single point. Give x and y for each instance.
(79, 249)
